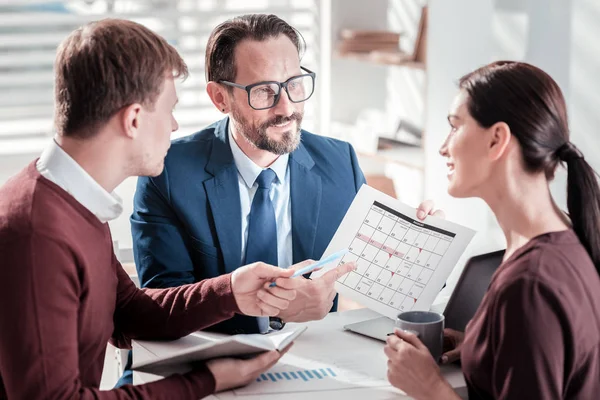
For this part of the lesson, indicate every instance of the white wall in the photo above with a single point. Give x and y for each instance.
(584, 78)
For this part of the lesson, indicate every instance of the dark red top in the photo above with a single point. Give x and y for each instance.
(536, 334)
(64, 295)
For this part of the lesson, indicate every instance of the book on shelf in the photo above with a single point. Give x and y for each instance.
(361, 41)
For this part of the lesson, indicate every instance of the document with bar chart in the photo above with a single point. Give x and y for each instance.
(402, 263)
(286, 379)
(296, 374)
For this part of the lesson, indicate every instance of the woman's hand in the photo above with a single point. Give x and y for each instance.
(412, 369)
(453, 341)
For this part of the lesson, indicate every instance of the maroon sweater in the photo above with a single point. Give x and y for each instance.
(536, 334)
(64, 295)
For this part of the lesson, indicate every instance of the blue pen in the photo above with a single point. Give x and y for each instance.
(318, 264)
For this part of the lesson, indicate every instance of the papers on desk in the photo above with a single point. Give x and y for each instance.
(402, 263)
(295, 374)
(205, 345)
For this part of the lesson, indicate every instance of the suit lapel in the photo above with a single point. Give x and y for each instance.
(224, 197)
(305, 187)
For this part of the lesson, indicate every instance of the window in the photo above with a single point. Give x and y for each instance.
(31, 30)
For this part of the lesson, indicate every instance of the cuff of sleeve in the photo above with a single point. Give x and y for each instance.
(203, 380)
(225, 291)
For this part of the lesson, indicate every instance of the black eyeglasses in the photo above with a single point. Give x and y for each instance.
(264, 95)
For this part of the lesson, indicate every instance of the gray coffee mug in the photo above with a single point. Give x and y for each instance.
(428, 326)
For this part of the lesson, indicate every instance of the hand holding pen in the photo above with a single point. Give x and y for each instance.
(317, 265)
(314, 297)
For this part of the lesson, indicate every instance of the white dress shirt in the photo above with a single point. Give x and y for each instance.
(57, 166)
(248, 171)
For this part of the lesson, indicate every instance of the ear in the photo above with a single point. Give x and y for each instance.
(500, 136)
(131, 120)
(219, 96)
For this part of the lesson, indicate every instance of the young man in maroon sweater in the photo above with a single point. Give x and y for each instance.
(65, 294)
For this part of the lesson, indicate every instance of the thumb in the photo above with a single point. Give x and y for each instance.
(264, 361)
(409, 338)
(424, 209)
(451, 356)
(266, 271)
(302, 264)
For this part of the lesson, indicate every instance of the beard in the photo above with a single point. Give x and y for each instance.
(258, 136)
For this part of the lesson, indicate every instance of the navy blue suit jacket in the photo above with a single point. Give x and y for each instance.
(186, 222)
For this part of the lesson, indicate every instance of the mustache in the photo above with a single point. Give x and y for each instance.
(280, 119)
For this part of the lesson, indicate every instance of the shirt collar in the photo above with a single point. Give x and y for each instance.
(249, 170)
(57, 166)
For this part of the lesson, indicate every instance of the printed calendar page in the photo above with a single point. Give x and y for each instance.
(402, 262)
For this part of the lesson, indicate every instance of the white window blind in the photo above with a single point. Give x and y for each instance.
(31, 30)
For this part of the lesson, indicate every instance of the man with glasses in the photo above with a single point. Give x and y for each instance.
(253, 186)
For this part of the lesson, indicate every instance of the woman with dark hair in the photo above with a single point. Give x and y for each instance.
(536, 333)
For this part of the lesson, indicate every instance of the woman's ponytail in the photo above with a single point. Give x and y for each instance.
(583, 199)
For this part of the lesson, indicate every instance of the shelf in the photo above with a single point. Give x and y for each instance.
(416, 59)
(385, 58)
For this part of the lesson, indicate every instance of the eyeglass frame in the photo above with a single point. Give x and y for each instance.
(282, 86)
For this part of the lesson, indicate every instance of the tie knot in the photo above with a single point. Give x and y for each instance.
(265, 179)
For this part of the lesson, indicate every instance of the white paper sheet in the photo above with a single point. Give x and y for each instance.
(296, 374)
(402, 263)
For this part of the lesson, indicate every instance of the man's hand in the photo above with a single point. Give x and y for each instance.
(314, 297)
(427, 208)
(230, 373)
(250, 286)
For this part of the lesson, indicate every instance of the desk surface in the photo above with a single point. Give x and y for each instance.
(326, 340)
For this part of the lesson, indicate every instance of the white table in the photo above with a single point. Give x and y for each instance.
(326, 339)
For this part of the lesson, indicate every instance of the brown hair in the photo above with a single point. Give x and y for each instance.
(220, 50)
(530, 102)
(107, 65)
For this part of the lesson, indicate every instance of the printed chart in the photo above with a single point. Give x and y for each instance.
(301, 375)
(402, 263)
(305, 375)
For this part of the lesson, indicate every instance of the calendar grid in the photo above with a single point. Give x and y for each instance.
(396, 256)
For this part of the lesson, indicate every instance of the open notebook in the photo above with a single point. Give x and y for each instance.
(201, 346)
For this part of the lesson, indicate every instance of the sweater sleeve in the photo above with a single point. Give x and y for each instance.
(39, 347)
(164, 314)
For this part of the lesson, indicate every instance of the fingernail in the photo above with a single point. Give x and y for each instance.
(444, 359)
(421, 214)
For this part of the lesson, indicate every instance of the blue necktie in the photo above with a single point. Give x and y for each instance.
(262, 230)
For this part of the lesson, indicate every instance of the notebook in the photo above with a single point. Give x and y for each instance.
(201, 346)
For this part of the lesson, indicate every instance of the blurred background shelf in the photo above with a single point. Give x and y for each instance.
(383, 47)
(397, 58)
